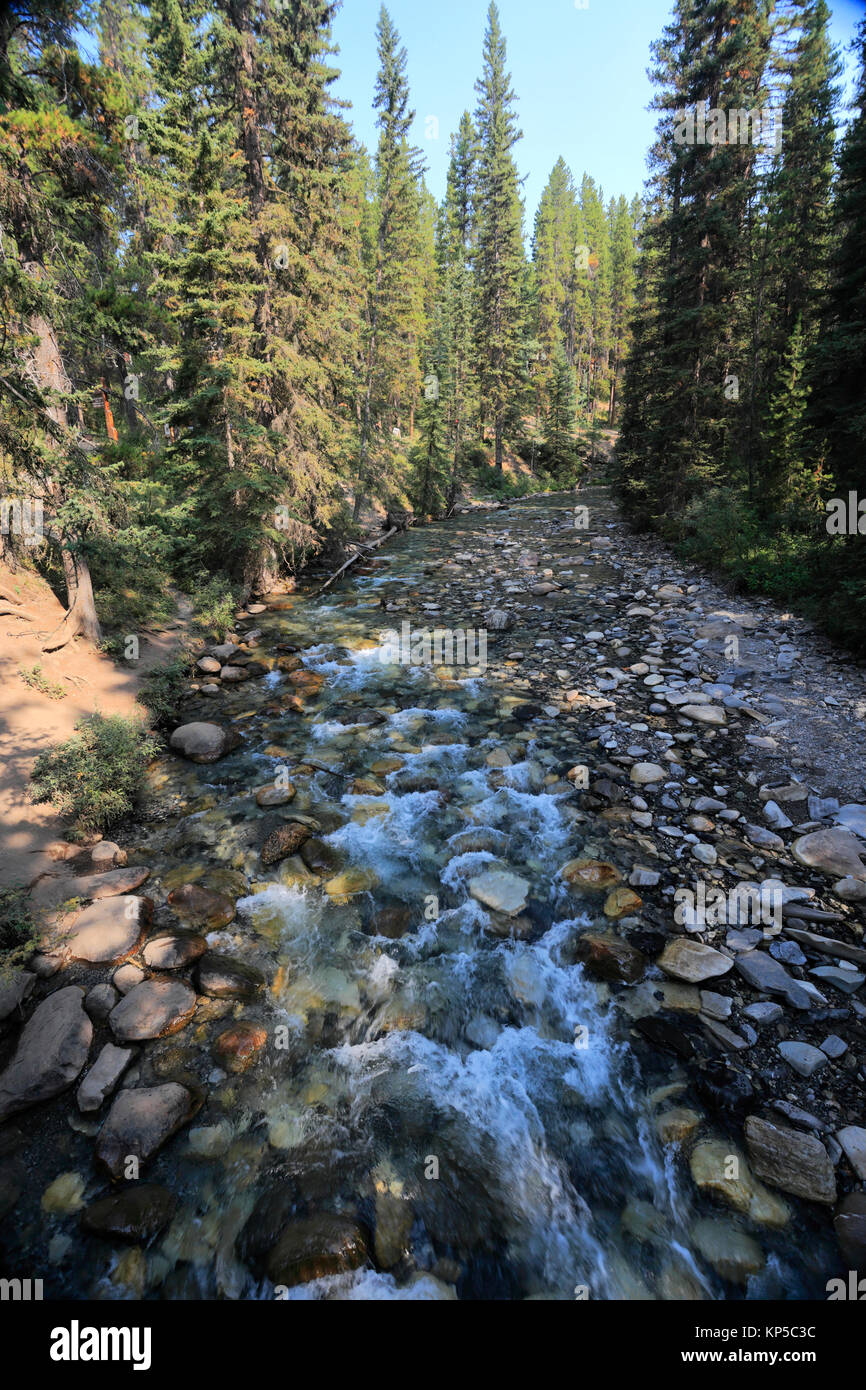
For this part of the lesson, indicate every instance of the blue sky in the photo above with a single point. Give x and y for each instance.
(579, 75)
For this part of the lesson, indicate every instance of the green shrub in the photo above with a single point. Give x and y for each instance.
(97, 775)
(36, 678)
(19, 932)
(163, 687)
(214, 601)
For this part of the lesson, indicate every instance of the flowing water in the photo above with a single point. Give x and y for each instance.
(474, 1098)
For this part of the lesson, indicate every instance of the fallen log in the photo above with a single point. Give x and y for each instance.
(362, 550)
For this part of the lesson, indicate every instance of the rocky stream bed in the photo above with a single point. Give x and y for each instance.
(396, 991)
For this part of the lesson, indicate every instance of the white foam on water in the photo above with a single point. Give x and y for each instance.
(464, 866)
(545, 1223)
(394, 840)
(532, 817)
(436, 716)
(368, 1286)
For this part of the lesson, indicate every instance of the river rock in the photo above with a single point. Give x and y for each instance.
(394, 1221)
(836, 852)
(803, 1058)
(51, 1052)
(202, 743)
(675, 1126)
(849, 1223)
(100, 1000)
(622, 902)
(314, 1248)
(693, 961)
(109, 931)
(717, 1167)
(49, 893)
(201, 907)
(154, 1009)
(139, 1122)
(642, 774)
(136, 1214)
(15, 986)
(734, 1255)
(283, 843)
(763, 972)
(854, 817)
(610, 957)
(103, 1076)
(173, 952)
(848, 981)
(590, 875)
(271, 796)
(796, 1162)
(127, 977)
(220, 977)
(107, 855)
(704, 714)
(238, 1047)
(497, 620)
(500, 890)
(853, 1141)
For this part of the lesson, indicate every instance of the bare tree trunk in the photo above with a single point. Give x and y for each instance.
(81, 619)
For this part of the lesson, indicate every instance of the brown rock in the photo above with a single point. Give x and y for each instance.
(283, 843)
(201, 907)
(789, 1159)
(153, 1009)
(140, 1121)
(315, 1247)
(591, 875)
(610, 957)
(238, 1047)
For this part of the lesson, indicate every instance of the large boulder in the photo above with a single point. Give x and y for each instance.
(796, 1162)
(140, 1121)
(153, 1009)
(109, 931)
(315, 1247)
(51, 1052)
(15, 986)
(203, 743)
(836, 852)
(49, 893)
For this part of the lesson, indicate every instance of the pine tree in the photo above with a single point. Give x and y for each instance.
(682, 428)
(839, 370)
(790, 270)
(560, 450)
(623, 256)
(393, 319)
(499, 257)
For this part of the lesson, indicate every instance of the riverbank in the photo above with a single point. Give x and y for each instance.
(408, 1000)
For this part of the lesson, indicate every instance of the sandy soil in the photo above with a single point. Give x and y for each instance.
(31, 721)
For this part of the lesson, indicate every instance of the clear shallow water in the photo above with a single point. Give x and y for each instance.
(443, 1070)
